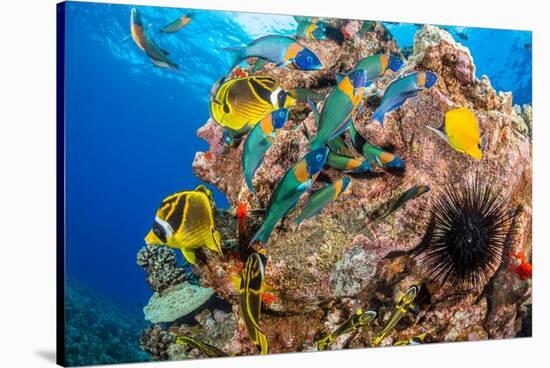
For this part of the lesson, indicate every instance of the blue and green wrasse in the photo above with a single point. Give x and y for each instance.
(177, 24)
(260, 139)
(356, 321)
(403, 306)
(208, 350)
(373, 153)
(281, 50)
(318, 200)
(378, 65)
(347, 164)
(185, 221)
(340, 156)
(251, 287)
(312, 31)
(297, 180)
(407, 195)
(158, 56)
(339, 107)
(416, 340)
(400, 90)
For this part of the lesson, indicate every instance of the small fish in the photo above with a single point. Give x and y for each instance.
(260, 139)
(368, 26)
(462, 35)
(304, 94)
(259, 64)
(281, 50)
(185, 221)
(242, 214)
(356, 321)
(407, 51)
(519, 266)
(311, 31)
(402, 307)
(373, 153)
(208, 350)
(339, 107)
(300, 19)
(400, 90)
(251, 288)
(461, 132)
(297, 180)
(407, 195)
(177, 24)
(318, 200)
(238, 104)
(347, 164)
(376, 66)
(158, 56)
(416, 340)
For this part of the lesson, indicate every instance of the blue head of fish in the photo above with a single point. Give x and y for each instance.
(316, 160)
(395, 63)
(431, 78)
(227, 138)
(345, 183)
(307, 60)
(396, 163)
(320, 32)
(278, 118)
(364, 167)
(358, 78)
(135, 17)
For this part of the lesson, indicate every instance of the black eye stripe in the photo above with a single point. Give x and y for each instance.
(159, 232)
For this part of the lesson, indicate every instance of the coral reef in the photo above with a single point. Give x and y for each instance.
(176, 302)
(160, 265)
(321, 272)
(97, 331)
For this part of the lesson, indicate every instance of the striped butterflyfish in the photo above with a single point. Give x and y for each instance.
(238, 104)
(208, 350)
(185, 221)
(250, 289)
(403, 306)
(356, 321)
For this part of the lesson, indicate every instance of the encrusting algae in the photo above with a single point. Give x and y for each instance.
(265, 126)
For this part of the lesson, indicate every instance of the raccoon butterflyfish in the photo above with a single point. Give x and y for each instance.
(318, 200)
(373, 153)
(177, 24)
(208, 350)
(281, 50)
(461, 132)
(356, 321)
(251, 287)
(407, 195)
(158, 56)
(185, 221)
(339, 107)
(400, 90)
(297, 180)
(238, 104)
(403, 306)
(260, 139)
(416, 340)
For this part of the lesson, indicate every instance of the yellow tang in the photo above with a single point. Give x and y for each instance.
(461, 131)
(238, 104)
(185, 221)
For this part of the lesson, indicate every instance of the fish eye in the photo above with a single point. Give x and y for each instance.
(319, 157)
(281, 114)
(309, 59)
(156, 231)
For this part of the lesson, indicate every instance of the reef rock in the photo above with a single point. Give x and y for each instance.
(176, 302)
(340, 260)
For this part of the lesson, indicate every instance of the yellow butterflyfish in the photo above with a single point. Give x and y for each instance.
(185, 221)
(461, 132)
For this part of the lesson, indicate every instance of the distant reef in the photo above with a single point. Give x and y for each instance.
(98, 331)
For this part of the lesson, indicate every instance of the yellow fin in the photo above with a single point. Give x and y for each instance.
(236, 282)
(189, 255)
(463, 133)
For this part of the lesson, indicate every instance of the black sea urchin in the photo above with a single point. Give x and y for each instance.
(466, 234)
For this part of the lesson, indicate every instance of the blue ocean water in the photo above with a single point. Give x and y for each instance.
(130, 126)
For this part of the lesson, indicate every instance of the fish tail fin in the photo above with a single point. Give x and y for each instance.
(263, 234)
(378, 116)
(248, 182)
(236, 55)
